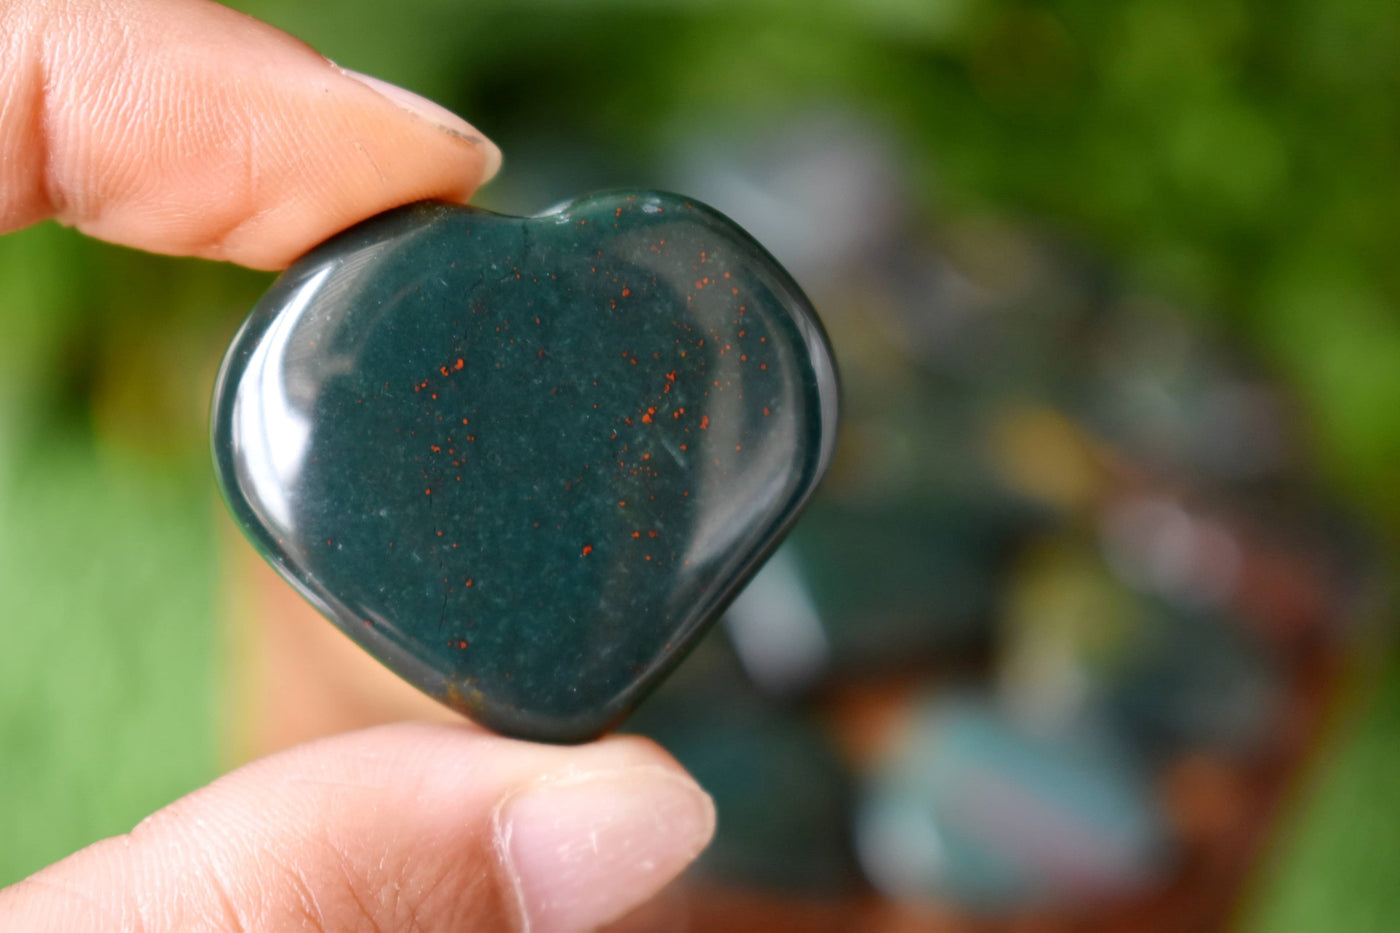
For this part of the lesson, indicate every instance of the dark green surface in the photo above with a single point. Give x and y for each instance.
(525, 462)
(781, 793)
(781, 788)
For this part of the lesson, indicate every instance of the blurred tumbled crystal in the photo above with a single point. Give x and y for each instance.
(971, 809)
(780, 787)
(862, 590)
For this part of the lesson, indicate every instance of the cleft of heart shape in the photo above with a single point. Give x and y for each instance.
(526, 462)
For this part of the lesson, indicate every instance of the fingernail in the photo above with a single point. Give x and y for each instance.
(583, 850)
(436, 114)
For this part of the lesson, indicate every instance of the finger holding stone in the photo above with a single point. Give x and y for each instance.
(183, 127)
(411, 826)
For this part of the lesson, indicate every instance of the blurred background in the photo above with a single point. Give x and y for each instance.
(1089, 627)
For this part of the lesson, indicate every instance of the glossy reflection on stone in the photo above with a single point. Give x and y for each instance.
(526, 461)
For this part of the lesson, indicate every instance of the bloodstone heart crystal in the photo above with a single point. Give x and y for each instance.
(525, 462)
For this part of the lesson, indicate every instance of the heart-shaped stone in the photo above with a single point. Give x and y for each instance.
(525, 462)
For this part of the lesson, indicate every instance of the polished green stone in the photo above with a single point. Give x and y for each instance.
(525, 462)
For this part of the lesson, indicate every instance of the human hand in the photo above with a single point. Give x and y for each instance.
(181, 127)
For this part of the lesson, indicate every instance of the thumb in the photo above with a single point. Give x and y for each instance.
(405, 827)
(180, 126)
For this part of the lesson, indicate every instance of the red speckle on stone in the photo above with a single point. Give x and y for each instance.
(439, 534)
(437, 449)
(765, 412)
(623, 503)
(704, 422)
(461, 362)
(683, 447)
(443, 370)
(651, 534)
(427, 492)
(470, 581)
(636, 534)
(738, 446)
(587, 549)
(626, 292)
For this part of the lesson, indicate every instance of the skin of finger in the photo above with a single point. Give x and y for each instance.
(183, 127)
(387, 829)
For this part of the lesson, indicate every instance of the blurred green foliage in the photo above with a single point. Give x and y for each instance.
(106, 681)
(1339, 864)
(1238, 156)
(109, 677)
